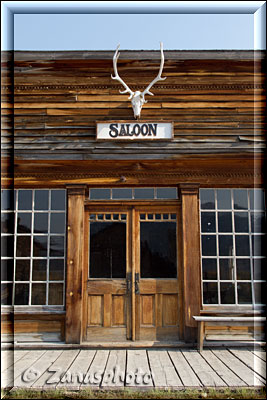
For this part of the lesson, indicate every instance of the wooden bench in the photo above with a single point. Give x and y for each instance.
(229, 320)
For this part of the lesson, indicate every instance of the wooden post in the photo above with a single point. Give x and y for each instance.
(75, 248)
(191, 259)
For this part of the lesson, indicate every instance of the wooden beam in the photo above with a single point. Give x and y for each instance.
(191, 259)
(75, 242)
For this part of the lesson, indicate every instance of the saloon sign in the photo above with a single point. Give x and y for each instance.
(134, 130)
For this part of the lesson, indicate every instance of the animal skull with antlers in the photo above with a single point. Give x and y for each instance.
(137, 98)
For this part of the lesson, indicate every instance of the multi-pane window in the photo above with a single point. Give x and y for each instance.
(146, 193)
(233, 253)
(33, 247)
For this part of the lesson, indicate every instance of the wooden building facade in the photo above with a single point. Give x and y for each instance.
(127, 240)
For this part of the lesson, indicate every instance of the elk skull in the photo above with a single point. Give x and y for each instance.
(137, 98)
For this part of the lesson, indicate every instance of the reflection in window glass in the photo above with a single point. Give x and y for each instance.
(7, 223)
(207, 199)
(208, 245)
(260, 292)
(6, 294)
(107, 250)
(21, 294)
(240, 199)
(7, 269)
(257, 222)
(243, 269)
(40, 246)
(7, 199)
(38, 293)
(122, 193)
(158, 249)
(25, 200)
(210, 293)
(56, 269)
(208, 223)
(40, 223)
(209, 268)
(256, 198)
(144, 193)
(55, 294)
(41, 199)
(244, 293)
(100, 194)
(39, 270)
(224, 199)
(58, 200)
(167, 193)
(226, 269)
(57, 223)
(23, 248)
(24, 223)
(7, 246)
(225, 245)
(259, 269)
(225, 222)
(227, 293)
(242, 245)
(56, 246)
(22, 270)
(241, 221)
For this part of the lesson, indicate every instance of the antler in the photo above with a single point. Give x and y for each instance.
(158, 78)
(117, 77)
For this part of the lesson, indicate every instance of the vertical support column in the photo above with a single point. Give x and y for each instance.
(191, 259)
(75, 249)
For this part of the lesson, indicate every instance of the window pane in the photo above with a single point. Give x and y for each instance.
(7, 222)
(243, 269)
(39, 270)
(225, 222)
(167, 193)
(7, 199)
(259, 268)
(40, 222)
(122, 193)
(56, 246)
(208, 245)
(24, 223)
(56, 269)
(158, 249)
(210, 293)
(208, 223)
(242, 245)
(209, 268)
(227, 293)
(57, 199)
(57, 223)
(241, 221)
(6, 294)
(260, 292)
(144, 193)
(55, 294)
(99, 194)
(257, 245)
(38, 294)
(23, 246)
(7, 270)
(240, 199)
(225, 245)
(7, 246)
(41, 199)
(226, 269)
(25, 200)
(40, 246)
(224, 199)
(244, 293)
(257, 222)
(21, 294)
(22, 270)
(207, 199)
(256, 197)
(107, 250)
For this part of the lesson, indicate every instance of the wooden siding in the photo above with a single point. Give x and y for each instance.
(216, 100)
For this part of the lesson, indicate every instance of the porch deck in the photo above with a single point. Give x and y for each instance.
(77, 369)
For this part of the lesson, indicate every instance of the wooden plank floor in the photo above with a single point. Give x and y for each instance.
(160, 368)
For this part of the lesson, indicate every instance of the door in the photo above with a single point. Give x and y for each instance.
(132, 286)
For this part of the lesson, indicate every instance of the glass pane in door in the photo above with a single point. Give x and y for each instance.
(107, 249)
(158, 247)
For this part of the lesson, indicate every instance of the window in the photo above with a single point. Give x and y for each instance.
(33, 247)
(159, 193)
(233, 255)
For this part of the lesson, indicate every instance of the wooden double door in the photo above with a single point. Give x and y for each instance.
(132, 276)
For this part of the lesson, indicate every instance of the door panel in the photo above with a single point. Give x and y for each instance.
(108, 299)
(157, 293)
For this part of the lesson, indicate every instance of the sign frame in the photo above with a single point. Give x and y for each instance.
(137, 139)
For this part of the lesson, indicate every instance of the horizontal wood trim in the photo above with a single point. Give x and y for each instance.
(151, 286)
